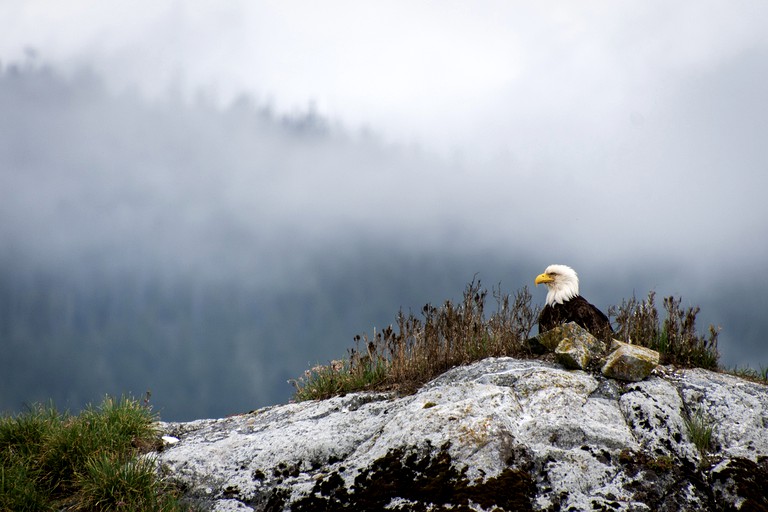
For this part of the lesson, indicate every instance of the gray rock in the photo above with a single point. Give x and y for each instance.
(629, 362)
(578, 349)
(500, 434)
(548, 341)
(575, 348)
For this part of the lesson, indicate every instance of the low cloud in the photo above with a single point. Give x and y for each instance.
(263, 217)
(88, 173)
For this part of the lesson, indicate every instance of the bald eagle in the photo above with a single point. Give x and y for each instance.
(564, 304)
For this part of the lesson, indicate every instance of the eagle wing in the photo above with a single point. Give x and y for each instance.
(578, 310)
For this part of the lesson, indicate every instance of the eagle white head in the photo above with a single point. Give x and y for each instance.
(562, 282)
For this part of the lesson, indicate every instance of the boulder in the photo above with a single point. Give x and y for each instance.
(629, 362)
(500, 434)
(546, 341)
(578, 348)
(575, 348)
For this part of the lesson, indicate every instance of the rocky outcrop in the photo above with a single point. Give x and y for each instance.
(576, 348)
(500, 434)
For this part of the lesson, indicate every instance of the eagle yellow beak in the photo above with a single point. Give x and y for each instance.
(543, 278)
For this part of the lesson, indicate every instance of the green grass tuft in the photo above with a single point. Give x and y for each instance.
(109, 483)
(340, 377)
(700, 430)
(760, 375)
(54, 461)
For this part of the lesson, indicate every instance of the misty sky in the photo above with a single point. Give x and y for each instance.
(510, 78)
(622, 111)
(605, 135)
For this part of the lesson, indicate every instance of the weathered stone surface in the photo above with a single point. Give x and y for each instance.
(575, 348)
(579, 338)
(579, 348)
(737, 407)
(654, 410)
(629, 362)
(572, 355)
(546, 341)
(742, 482)
(500, 434)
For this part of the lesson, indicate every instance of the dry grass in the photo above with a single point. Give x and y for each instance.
(414, 350)
(675, 338)
(455, 334)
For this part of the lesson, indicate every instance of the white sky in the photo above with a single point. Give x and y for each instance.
(628, 110)
(476, 78)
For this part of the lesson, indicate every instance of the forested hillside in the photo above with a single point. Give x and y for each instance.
(209, 254)
(202, 348)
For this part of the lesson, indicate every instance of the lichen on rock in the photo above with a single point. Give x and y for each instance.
(576, 348)
(501, 434)
(629, 362)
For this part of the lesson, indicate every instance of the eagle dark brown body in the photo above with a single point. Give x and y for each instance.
(578, 310)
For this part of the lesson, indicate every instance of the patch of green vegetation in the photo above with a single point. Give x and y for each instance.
(700, 429)
(747, 373)
(94, 461)
(341, 376)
